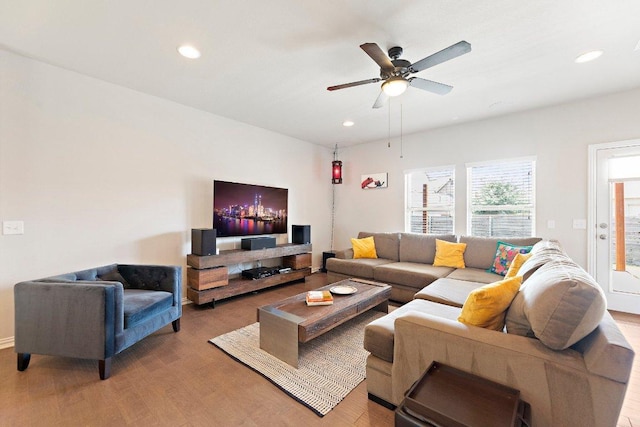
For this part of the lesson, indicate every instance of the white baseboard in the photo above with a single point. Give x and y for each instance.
(7, 342)
(186, 301)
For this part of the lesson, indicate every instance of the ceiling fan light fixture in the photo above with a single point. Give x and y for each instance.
(395, 86)
(189, 51)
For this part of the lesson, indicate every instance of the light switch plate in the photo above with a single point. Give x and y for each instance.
(12, 227)
(551, 224)
(580, 224)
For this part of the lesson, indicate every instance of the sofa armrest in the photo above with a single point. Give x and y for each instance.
(344, 254)
(546, 378)
(155, 278)
(72, 319)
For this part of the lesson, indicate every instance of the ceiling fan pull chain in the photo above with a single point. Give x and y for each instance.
(389, 130)
(401, 131)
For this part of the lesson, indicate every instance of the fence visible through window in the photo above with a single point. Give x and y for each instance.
(501, 198)
(430, 201)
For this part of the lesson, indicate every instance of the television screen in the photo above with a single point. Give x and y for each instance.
(245, 209)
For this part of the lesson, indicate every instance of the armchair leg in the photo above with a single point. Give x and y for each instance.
(176, 325)
(23, 361)
(104, 367)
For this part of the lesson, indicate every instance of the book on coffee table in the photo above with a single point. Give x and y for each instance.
(319, 298)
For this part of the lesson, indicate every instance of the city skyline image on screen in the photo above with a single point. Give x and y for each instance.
(247, 209)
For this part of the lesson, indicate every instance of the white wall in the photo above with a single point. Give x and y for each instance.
(558, 136)
(102, 174)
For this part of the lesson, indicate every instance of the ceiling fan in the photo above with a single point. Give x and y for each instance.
(395, 72)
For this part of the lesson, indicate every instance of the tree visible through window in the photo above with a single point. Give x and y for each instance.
(501, 198)
(429, 200)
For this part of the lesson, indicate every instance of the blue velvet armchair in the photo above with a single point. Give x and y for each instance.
(95, 313)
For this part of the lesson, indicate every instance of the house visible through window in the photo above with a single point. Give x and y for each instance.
(501, 198)
(429, 201)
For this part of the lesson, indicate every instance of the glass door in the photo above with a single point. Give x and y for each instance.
(617, 226)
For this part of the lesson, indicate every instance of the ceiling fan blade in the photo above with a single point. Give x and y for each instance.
(429, 85)
(382, 99)
(446, 54)
(361, 82)
(374, 51)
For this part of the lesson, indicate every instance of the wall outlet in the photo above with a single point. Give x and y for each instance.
(580, 224)
(12, 227)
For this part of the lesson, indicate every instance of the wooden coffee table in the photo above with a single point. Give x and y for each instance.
(286, 323)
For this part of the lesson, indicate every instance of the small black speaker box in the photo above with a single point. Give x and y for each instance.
(203, 241)
(301, 234)
(254, 243)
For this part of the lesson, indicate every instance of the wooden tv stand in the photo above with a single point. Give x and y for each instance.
(208, 277)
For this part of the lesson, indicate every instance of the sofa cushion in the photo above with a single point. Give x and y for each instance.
(411, 274)
(387, 244)
(448, 291)
(364, 248)
(542, 253)
(481, 251)
(378, 335)
(140, 305)
(514, 267)
(449, 254)
(559, 304)
(416, 247)
(505, 253)
(355, 267)
(485, 307)
(474, 275)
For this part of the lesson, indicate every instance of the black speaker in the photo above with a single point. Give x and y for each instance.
(203, 241)
(301, 234)
(255, 243)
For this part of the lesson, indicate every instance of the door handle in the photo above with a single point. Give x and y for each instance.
(603, 225)
(603, 237)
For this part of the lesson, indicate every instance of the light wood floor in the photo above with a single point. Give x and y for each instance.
(182, 380)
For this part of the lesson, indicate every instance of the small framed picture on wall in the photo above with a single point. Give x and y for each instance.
(373, 181)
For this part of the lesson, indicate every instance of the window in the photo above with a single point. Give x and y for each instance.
(501, 198)
(430, 201)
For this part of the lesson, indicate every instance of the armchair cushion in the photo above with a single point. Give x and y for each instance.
(139, 305)
(114, 276)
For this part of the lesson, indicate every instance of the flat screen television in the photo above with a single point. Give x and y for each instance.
(247, 210)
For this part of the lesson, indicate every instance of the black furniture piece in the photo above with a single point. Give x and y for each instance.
(325, 257)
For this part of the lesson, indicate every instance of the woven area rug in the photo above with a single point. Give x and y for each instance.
(329, 367)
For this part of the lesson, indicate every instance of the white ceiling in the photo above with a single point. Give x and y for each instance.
(268, 63)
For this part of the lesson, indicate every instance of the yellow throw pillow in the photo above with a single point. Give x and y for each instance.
(364, 248)
(516, 264)
(486, 306)
(449, 254)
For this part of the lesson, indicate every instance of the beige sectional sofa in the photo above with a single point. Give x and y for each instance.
(405, 261)
(560, 346)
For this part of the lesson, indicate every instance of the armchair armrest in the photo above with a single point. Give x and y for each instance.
(72, 319)
(154, 277)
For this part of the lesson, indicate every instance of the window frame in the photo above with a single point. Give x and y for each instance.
(531, 207)
(409, 210)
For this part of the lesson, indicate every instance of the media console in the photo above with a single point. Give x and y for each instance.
(208, 277)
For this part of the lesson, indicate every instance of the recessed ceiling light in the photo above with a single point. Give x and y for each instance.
(589, 56)
(347, 123)
(189, 51)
